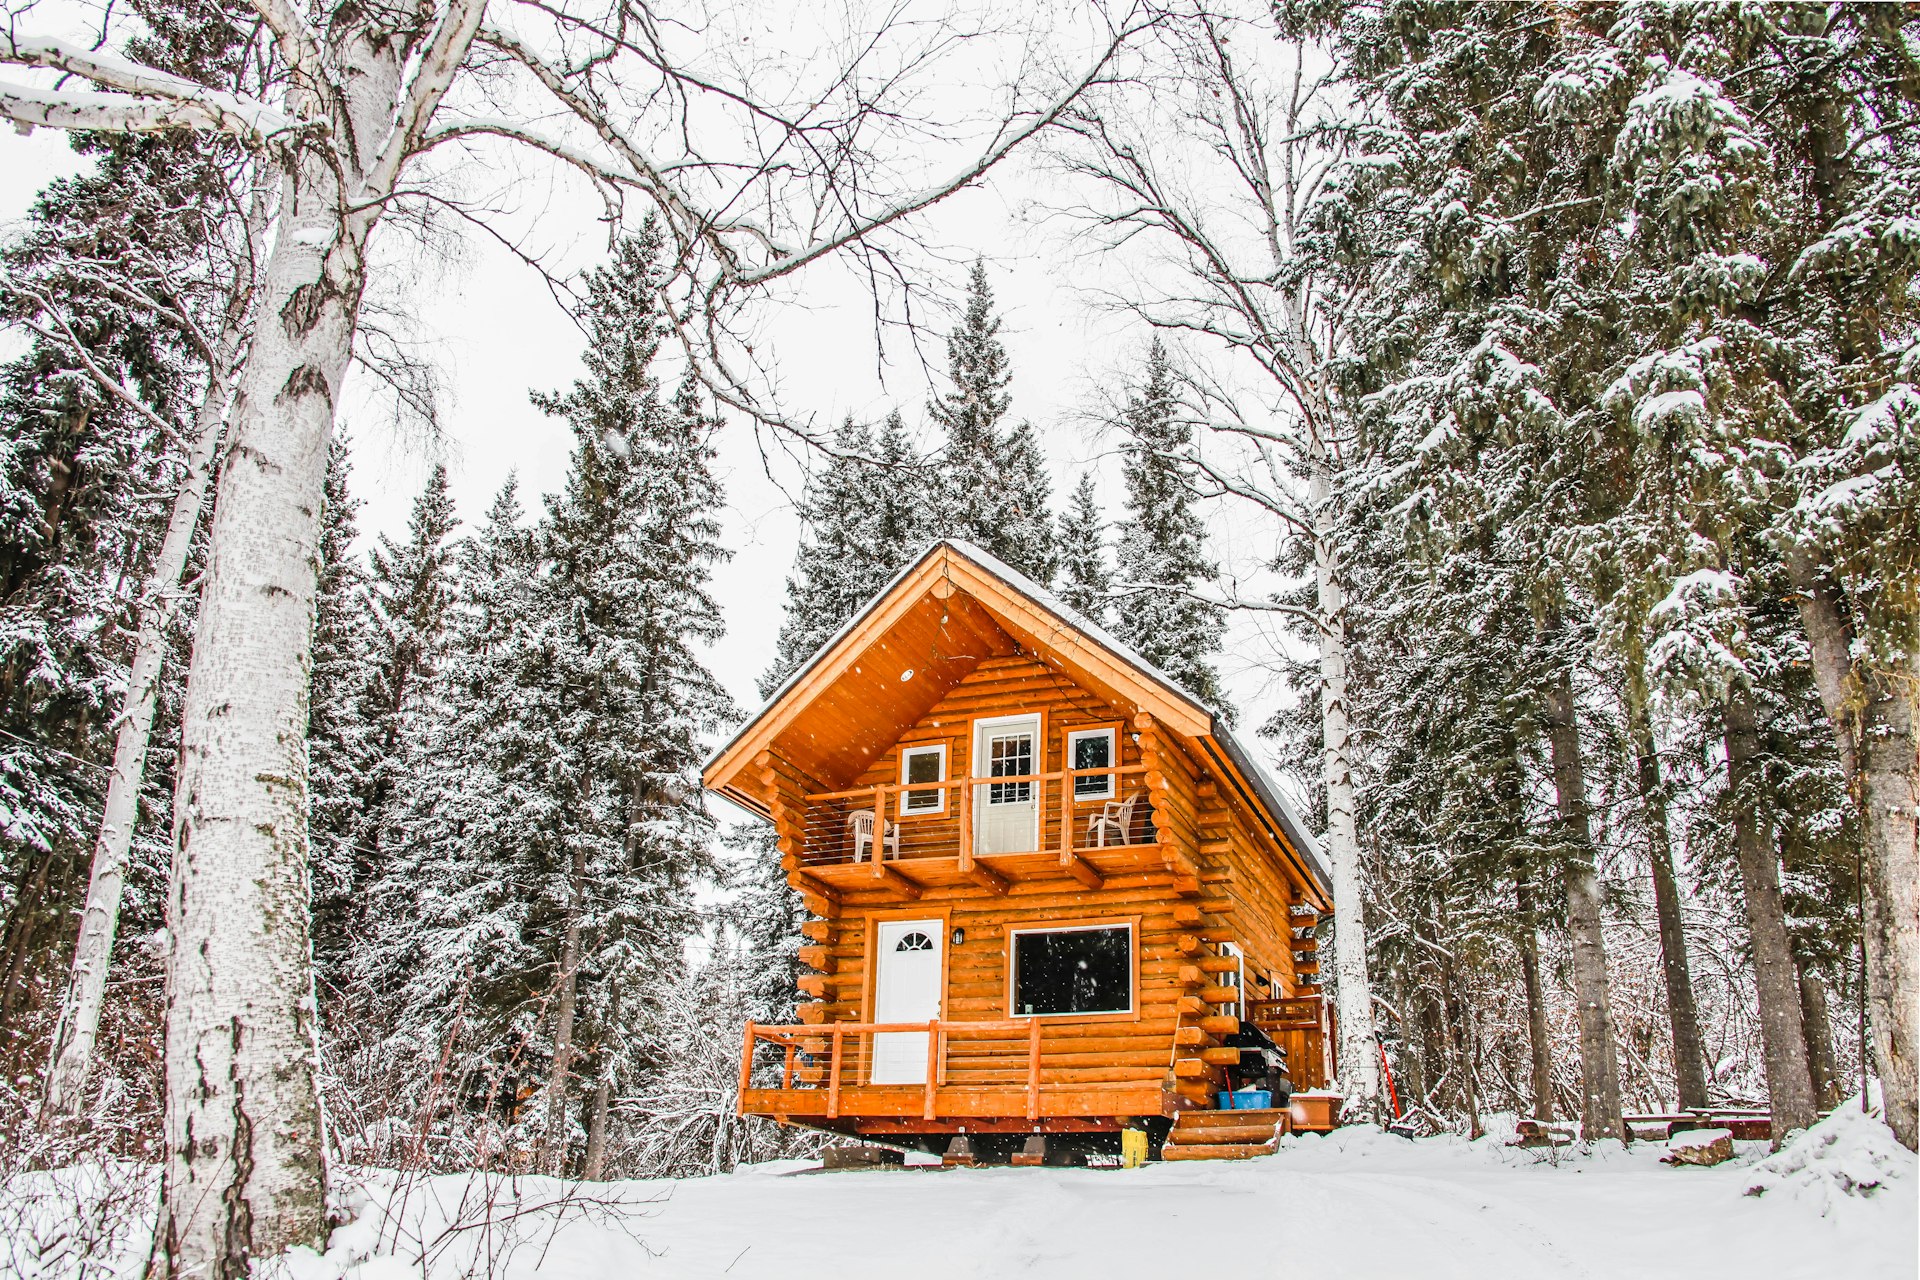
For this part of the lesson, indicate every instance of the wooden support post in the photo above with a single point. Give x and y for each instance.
(786, 1078)
(1066, 816)
(746, 1062)
(964, 810)
(1033, 1069)
(933, 1066)
(877, 850)
(833, 1078)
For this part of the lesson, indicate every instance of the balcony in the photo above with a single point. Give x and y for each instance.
(1086, 825)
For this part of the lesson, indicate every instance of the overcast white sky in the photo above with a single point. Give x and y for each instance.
(496, 334)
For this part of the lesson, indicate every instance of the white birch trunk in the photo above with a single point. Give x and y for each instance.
(1358, 1067)
(73, 1041)
(243, 1177)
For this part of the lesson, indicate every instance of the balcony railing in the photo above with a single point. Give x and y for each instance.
(1071, 809)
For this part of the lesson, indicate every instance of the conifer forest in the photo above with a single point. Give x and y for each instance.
(1510, 425)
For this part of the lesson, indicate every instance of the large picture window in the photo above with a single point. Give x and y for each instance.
(1087, 970)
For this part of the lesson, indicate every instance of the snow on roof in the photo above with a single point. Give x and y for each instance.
(1263, 784)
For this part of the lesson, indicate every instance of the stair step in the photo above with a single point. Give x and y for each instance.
(1216, 1134)
(1201, 1119)
(1223, 1151)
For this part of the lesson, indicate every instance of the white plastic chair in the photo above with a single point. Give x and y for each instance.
(860, 823)
(1116, 817)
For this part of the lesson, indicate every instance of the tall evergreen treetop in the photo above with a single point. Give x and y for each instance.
(1161, 556)
(1086, 581)
(992, 489)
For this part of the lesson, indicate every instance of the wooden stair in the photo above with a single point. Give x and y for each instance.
(1225, 1135)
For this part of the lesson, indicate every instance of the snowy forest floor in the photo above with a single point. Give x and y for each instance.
(1355, 1203)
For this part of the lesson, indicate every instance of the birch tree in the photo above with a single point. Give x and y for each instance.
(1205, 173)
(751, 176)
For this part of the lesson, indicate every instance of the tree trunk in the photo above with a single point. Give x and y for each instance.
(553, 1158)
(1683, 1014)
(1359, 1064)
(1872, 714)
(73, 1041)
(1599, 1068)
(1783, 1037)
(1818, 1021)
(596, 1161)
(244, 1177)
(1538, 1038)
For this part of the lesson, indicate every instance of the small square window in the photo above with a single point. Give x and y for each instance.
(1092, 749)
(920, 765)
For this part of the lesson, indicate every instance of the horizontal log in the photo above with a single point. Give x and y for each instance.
(817, 930)
(1220, 1057)
(1220, 964)
(819, 959)
(1196, 1037)
(1191, 1069)
(1188, 944)
(1220, 995)
(1215, 906)
(1219, 1024)
(813, 984)
(1190, 975)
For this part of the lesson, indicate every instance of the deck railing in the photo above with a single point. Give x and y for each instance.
(1303, 1027)
(836, 1056)
(937, 819)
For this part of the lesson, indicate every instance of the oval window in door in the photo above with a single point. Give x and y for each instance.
(915, 941)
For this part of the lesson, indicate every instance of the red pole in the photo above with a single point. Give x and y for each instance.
(1393, 1095)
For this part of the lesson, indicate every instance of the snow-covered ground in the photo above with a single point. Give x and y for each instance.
(1357, 1203)
(1354, 1204)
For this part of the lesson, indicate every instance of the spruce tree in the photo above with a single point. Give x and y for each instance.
(408, 593)
(1086, 581)
(339, 741)
(628, 548)
(861, 523)
(1161, 561)
(992, 485)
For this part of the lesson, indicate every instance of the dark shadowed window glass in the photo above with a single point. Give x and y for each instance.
(1073, 971)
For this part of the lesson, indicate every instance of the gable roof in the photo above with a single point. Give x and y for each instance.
(997, 608)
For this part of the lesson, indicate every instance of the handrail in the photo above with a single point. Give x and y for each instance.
(936, 1031)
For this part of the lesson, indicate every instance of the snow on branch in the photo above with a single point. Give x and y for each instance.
(156, 100)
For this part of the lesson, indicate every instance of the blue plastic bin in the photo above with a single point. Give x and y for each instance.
(1246, 1100)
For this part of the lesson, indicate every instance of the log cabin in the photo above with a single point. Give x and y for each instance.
(1048, 889)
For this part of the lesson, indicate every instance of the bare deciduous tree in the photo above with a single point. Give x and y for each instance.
(1206, 170)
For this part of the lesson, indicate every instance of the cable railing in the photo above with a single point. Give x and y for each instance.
(837, 1057)
(1065, 810)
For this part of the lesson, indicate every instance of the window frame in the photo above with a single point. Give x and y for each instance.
(908, 788)
(1129, 1014)
(1111, 778)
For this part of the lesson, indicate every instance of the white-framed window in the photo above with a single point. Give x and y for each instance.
(1093, 749)
(1237, 979)
(921, 765)
(1075, 969)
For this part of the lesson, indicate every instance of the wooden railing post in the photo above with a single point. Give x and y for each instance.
(746, 1061)
(965, 809)
(833, 1078)
(786, 1076)
(1033, 1069)
(933, 1065)
(878, 849)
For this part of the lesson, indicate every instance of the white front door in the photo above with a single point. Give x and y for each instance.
(906, 988)
(1006, 814)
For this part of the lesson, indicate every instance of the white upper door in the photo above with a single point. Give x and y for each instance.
(1006, 815)
(906, 988)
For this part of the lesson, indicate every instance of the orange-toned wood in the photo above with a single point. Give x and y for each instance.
(817, 931)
